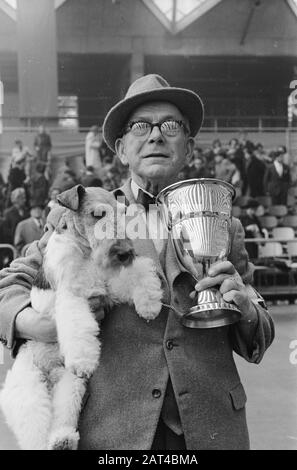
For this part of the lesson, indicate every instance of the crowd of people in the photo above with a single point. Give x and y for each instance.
(31, 189)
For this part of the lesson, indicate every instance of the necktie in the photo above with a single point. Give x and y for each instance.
(145, 199)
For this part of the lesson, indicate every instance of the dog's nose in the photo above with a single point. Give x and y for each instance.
(122, 252)
(126, 258)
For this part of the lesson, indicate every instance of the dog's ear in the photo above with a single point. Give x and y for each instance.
(72, 198)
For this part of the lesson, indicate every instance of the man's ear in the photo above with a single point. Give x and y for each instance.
(190, 144)
(120, 150)
(72, 198)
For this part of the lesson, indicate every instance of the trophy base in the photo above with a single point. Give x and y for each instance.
(211, 316)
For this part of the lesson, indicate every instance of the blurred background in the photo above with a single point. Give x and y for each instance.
(64, 63)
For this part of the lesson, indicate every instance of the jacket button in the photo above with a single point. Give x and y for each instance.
(169, 344)
(156, 393)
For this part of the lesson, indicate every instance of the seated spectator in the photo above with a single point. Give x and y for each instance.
(92, 145)
(108, 183)
(3, 187)
(198, 168)
(17, 175)
(65, 178)
(38, 186)
(6, 254)
(217, 147)
(104, 151)
(252, 226)
(53, 193)
(16, 213)
(42, 144)
(19, 152)
(235, 155)
(277, 180)
(90, 179)
(29, 229)
(255, 171)
(225, 170)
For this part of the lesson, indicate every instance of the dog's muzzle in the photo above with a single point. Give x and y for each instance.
(121, 253)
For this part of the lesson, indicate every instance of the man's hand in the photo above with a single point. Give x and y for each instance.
(223, 275)
(30, 324)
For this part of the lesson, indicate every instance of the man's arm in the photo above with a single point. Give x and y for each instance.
(254, 332)
(17, 318)
(15, 286)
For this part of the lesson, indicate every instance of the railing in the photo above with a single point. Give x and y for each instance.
(210, 124)
(275, 280)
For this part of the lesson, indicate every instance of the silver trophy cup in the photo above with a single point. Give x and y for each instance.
(197, 213)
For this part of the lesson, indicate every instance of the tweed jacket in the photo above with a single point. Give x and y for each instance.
(124, 399)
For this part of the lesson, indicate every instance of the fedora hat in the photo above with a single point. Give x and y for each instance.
(146, 89)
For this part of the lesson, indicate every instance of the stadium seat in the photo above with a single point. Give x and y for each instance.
(286, 233)
(268, 222)
(278, 210)
(265, 201)
(292, 249)
(242, 200)
(236, 211)
(271, 250)
(293, 191)
(290, 221)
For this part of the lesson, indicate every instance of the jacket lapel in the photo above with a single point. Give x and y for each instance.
(143, 245)
(171, 267)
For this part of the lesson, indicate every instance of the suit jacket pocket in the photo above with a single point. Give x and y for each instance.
(238, 397)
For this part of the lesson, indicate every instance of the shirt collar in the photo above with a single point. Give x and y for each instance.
(135, 189)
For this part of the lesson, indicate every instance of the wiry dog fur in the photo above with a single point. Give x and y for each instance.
(42, 395)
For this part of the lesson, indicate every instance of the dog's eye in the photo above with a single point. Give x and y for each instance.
(98, 215)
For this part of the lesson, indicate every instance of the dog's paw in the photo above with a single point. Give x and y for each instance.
(63, 439)
(83, 369)
(147, 310)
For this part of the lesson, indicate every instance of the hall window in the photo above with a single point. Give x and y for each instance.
(68, 112)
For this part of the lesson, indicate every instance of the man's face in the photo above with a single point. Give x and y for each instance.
(155, 157)
(280, 158)
(21, 200)
(36, 212)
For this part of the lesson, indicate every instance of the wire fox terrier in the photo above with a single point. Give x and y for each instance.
(42, 394)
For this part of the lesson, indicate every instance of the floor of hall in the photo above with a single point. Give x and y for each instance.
(271, 389)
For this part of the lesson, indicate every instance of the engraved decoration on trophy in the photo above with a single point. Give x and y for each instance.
(197, 213)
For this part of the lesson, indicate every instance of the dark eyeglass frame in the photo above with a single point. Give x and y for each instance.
(129, 126)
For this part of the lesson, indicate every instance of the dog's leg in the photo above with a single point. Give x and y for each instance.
(25, 401)
(143, 288)
(67, 399)
(77, 333)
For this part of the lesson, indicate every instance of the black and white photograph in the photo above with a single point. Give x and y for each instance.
(148, 228)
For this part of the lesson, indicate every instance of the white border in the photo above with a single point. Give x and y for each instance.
(184, 22)
(293, 5)
(12, 12)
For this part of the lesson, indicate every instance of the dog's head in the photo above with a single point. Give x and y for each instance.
(96, 219)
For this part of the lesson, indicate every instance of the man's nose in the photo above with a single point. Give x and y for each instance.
(156, 135)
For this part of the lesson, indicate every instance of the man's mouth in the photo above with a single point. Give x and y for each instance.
(156, 155)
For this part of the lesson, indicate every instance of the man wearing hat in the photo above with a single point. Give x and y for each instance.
(29, 229)
(16, 213)
(161, 385)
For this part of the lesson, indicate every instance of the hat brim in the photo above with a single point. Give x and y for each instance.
(188, 103)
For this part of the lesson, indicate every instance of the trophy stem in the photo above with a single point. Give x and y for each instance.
(211, 311)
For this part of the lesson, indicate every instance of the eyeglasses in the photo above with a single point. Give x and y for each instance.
(168, 128)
